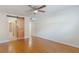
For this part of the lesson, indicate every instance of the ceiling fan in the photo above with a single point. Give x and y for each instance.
(37, 8)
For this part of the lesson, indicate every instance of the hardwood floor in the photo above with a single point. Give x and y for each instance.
(39, 45)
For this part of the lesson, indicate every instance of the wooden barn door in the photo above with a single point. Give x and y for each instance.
(20, 28)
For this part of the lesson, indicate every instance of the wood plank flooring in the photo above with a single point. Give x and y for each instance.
(39, 45)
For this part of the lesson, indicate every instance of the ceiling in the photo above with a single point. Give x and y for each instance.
(24, 10)
(14, 9)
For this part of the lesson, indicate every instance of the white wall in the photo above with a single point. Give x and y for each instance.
(27, 29)
(62, 26)
(4, 32)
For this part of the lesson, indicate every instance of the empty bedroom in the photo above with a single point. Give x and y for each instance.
(39, 28)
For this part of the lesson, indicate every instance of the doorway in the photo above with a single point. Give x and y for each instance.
(16, 28)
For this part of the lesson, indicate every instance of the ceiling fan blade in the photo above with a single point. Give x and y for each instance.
(41, 11)
(32, 7)
(42, 7)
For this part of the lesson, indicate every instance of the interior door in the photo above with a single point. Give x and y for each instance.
(20, 28)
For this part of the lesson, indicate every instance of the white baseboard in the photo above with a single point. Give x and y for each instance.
(4, 41)
(66, 43)
(26, 37)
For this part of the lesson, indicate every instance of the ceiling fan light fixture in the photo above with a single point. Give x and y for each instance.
(36, 11)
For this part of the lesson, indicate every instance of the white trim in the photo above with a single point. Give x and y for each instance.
(73, 45)
(30, 33)
(4, 41)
